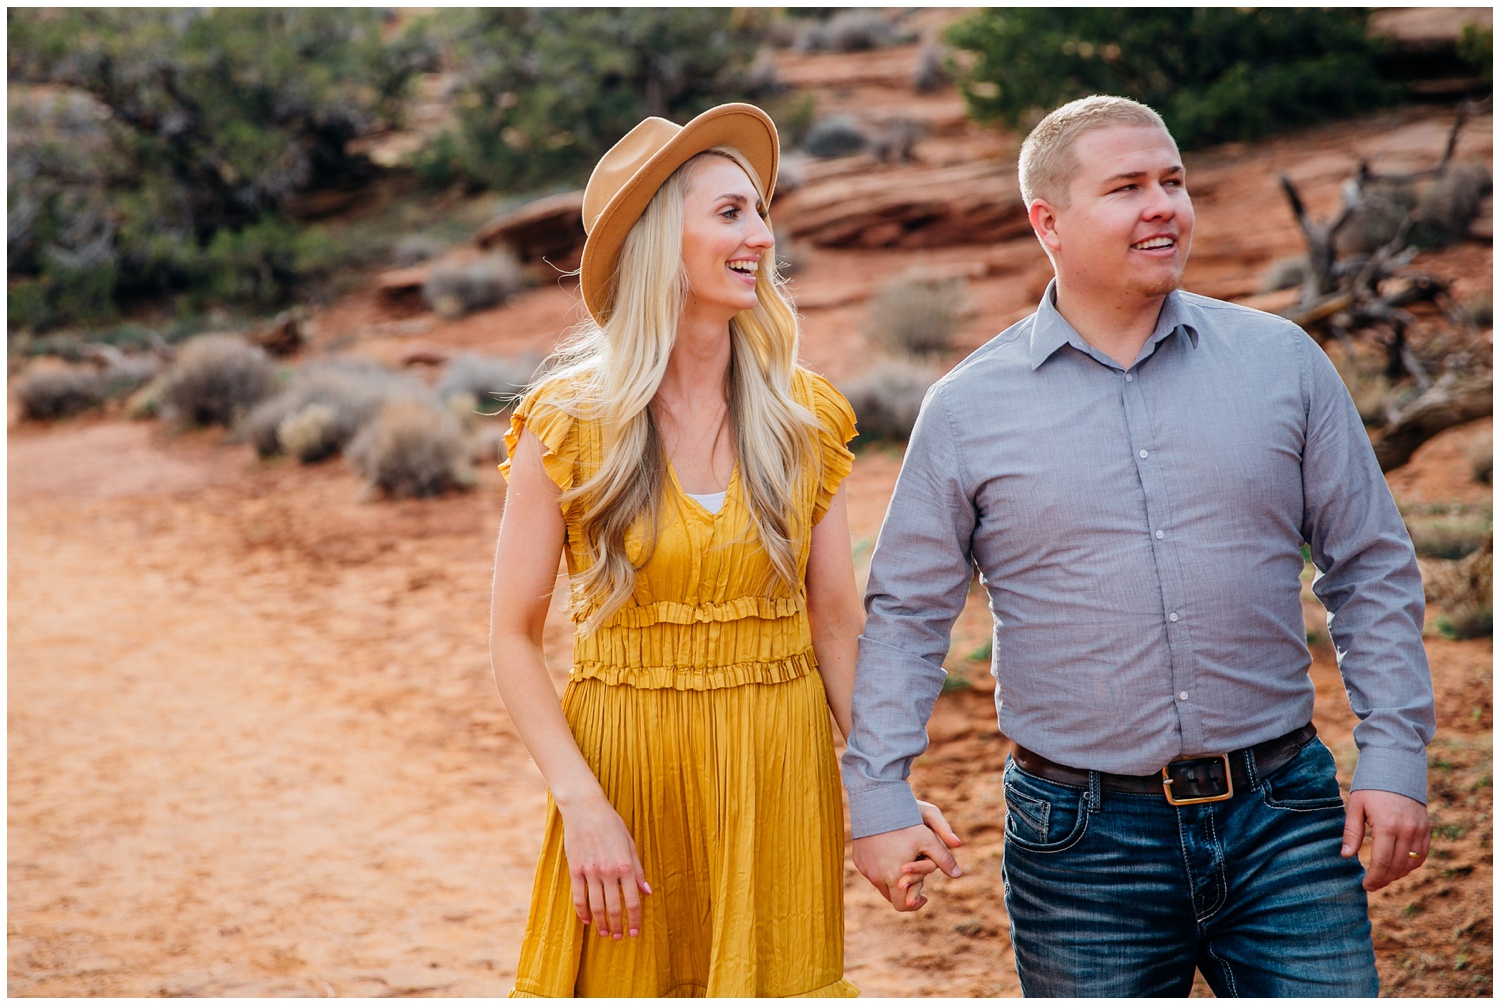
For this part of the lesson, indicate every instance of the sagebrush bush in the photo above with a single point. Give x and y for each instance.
(59, 392)
(930, 73)
(895, 143)
(1384, 208)
(216, 381)
(852, 30)
(916, 314)
(1284, 274)
(886, 400)
(835, 136)
(1447, 207)
(352, 391)
(1449, 536)
(415, 447)
(494, 382)
(455, 289)
(310, 434)
(414, 249)
(1463, 591)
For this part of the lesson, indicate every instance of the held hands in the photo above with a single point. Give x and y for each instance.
(897, 862)
(1399, 832)
(608, 880)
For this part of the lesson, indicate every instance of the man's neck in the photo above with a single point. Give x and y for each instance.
(1118, 327)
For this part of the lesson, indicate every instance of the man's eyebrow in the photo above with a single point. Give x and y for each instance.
(1125, 175)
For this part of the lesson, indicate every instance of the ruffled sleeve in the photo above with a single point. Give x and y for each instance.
(836, 429)
(555, 428)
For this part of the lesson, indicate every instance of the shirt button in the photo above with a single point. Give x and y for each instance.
(1172, 616)
(1160, 535)
(1182, 696)
(1144, 455)
(1129, 377)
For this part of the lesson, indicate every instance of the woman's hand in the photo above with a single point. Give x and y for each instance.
(608, 880)
(914, 873)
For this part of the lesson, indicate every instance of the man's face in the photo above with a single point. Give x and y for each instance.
(1128, 225)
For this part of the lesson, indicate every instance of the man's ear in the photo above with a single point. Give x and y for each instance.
(1044, 221)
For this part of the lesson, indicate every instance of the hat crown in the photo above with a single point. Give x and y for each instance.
(621, 163)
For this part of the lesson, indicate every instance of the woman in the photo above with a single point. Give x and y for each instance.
(691, 472)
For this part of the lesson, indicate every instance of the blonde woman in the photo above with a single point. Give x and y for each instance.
(689, 472)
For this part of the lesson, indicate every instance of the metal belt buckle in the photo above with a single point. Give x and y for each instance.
(1167, 779)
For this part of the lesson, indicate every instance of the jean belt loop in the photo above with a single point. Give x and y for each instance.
(1095, 788)
(1251, 772)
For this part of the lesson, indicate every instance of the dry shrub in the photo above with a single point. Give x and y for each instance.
(49, 393)
(917, 314)
(835, 136)
(216, 380)
(1386, 205)
(1462, 590)
(886, 400)
(1284, 274)
(897, 141)
(1449, 205)
(492, 382)
(930, 74)
(343, 396)
(414, 249)
(311, 434)
(414, 447)
(852, 30)
(1448, 535)
(456, 289)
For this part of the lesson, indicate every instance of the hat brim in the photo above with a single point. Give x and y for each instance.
(743, 127)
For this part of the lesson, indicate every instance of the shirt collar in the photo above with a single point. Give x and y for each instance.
(1050, 331)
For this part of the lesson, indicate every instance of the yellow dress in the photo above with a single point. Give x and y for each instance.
(700, 709)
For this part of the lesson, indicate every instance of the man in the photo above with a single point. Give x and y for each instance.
(1133, 470)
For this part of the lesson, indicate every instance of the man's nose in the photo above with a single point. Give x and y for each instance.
(1161, 205)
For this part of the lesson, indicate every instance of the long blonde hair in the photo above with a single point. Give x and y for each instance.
(609, 373)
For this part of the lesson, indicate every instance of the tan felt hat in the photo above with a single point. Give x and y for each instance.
(630, 173)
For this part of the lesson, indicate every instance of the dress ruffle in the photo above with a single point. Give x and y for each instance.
(686, 678)
(673, 613)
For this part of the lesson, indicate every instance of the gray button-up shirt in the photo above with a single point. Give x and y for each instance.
(1138, 532)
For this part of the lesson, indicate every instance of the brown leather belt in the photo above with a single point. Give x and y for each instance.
(1208, 779)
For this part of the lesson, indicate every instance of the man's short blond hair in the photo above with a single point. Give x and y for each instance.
(1047, 164)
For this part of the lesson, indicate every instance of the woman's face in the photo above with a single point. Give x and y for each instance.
(724, 238)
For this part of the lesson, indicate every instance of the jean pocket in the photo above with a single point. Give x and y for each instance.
(1309, 781)
(1042, 816)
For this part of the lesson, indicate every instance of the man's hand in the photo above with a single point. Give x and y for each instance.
(1399, 831)
(880, 858)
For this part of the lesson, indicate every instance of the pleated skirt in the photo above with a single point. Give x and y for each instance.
(732, 795)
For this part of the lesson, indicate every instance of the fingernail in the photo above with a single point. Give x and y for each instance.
(648, 887)
(634, 933)
(1345, 851)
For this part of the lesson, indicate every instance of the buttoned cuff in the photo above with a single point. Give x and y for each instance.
(887, 807)
(1390, 770)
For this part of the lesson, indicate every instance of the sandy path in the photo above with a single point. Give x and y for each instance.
(254, 747)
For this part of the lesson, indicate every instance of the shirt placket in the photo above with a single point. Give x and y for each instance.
(1138, 386)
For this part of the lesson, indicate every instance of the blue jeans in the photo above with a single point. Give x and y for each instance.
(1123, 895)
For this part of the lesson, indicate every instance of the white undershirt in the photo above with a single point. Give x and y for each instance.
(712, 501)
